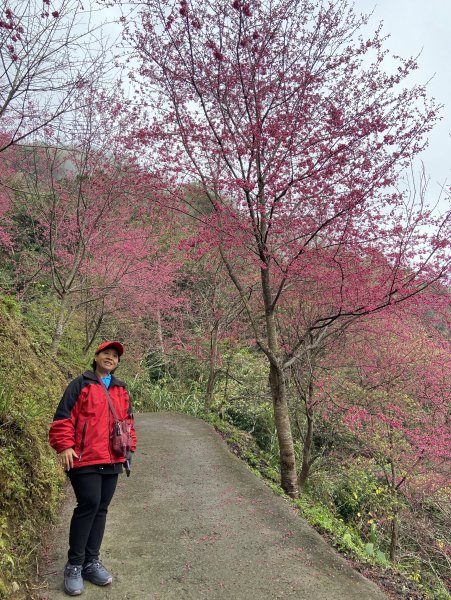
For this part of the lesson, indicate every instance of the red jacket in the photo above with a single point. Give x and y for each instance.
(83, 420)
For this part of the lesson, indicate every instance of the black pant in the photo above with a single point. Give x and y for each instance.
(94, 493)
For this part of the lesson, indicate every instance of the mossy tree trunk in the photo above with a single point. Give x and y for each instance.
(278, 386)
(307, 459)
(64, 315)
(212, 371)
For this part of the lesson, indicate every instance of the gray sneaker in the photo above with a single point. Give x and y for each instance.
(96, 573)
(73, 582)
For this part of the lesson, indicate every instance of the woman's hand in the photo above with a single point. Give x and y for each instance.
(66, 458)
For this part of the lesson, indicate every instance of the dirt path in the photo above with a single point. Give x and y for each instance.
(195, 523)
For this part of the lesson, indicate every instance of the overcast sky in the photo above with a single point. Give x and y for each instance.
(423, 26)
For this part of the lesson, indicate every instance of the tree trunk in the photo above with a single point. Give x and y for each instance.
(161, 342)
(212, 373)
(210, 389)
(91, 335)
(288, 473)
(394, 529)
(283, 426)
(394, 537)
(306, 452)
(276, 375)
(60, 324)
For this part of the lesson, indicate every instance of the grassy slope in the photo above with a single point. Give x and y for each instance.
(30, 385)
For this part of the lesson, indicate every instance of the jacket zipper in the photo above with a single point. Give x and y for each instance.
(109, 434)
(82, 443)
(109, 413)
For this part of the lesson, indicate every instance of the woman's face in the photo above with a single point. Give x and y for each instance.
(107, 360)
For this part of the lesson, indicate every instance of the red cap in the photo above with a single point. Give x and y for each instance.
(116, 345)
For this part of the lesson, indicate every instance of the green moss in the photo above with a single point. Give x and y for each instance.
(10, 305)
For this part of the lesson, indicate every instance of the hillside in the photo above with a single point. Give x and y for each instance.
(30, 383)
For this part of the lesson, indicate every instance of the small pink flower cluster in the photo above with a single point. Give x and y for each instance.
(183, 8)
(237, 5)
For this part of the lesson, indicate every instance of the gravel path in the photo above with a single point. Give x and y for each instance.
(193, 522)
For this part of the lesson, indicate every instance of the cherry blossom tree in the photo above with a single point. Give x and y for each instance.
(396, 402)
(93, 206)
(286, 118)
(214, 318)
(50, 53)
(7, 171)
(147, 292)
(384, 379)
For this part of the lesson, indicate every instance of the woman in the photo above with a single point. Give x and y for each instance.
(81, 435)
